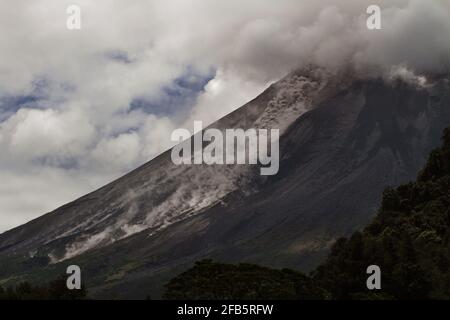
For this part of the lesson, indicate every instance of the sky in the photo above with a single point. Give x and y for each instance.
(79, 108)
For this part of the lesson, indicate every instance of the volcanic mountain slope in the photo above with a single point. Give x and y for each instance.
(161, 193)
(343, 140)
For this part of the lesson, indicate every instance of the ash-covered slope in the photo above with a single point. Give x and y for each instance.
(130, 236)
(160, 193)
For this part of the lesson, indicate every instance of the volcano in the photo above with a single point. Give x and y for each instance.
(344, 138)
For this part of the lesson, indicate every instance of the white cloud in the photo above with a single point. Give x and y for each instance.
(119, 152)
(33, 134)
(223, 94)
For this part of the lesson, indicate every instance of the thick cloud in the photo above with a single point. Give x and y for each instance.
(78, 108)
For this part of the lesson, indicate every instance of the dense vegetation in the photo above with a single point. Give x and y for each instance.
(409, 240)
(55, 290)
(210, 280)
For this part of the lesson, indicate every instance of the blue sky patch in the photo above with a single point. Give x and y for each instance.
(177, 97)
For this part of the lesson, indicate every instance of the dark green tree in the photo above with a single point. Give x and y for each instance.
(218, 281)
